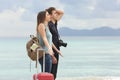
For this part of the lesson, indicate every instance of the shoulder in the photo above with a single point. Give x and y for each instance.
(41, 25)
(50, 23)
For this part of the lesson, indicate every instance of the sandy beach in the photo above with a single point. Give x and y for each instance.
(90, 78)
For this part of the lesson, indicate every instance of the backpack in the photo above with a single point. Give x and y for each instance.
(32, 46)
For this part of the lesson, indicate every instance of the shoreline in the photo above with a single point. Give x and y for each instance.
(90, 78)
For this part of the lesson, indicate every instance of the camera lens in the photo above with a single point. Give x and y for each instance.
(61, 43)
(64, 44)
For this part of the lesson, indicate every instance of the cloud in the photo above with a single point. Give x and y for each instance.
(108, 5)
(86, 9)
(19, 16)
(89, 14)
(12, 24)
(118, 2)
(81, 8)
(13, 4)
(76, 23)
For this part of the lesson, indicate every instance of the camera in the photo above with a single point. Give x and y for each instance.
(61, 43)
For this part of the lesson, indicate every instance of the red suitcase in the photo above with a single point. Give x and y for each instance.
(44, 75)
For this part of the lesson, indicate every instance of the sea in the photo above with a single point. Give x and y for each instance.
(84, 56)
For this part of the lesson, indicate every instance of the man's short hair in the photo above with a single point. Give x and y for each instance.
(50, 9)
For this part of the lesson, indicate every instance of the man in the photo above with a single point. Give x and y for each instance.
(55, 17)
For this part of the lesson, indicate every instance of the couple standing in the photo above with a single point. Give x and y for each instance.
(49, 38)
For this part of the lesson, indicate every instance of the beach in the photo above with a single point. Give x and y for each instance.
(90, 78)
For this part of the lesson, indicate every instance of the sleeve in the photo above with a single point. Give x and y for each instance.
(56, 23)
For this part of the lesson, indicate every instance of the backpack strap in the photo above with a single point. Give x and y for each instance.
(30, 65)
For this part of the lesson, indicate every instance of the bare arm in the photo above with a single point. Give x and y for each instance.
(58, 51)
(41, 29)
(60, 14)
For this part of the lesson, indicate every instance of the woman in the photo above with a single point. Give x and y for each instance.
(45, 39)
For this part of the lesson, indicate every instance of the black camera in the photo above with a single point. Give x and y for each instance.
(61, 43)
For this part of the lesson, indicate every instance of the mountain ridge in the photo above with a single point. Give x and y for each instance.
(102, 31)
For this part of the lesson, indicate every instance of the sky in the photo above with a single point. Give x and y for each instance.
(18, 17)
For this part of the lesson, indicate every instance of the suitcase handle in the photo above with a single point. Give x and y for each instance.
(39, 49)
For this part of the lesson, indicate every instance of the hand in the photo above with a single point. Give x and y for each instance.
(50, 51)
(59, 52)
(54, 60)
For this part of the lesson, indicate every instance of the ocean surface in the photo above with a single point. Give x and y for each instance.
(83, 56)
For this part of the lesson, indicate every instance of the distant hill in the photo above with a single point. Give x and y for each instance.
(103, 31)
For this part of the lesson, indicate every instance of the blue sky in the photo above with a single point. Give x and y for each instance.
(18, 17)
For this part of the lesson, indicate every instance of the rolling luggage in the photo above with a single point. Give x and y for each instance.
(43, 75)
